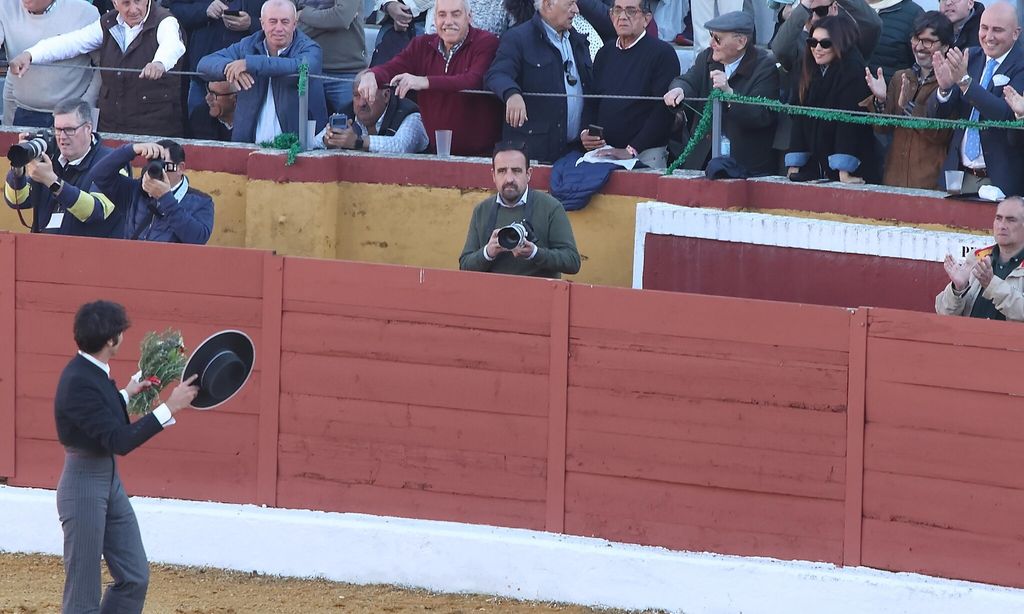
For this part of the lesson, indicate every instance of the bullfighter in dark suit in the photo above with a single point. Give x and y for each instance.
(971, 87)
(92, 424)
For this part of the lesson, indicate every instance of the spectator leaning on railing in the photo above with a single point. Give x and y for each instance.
(543, 55)
(24, 23)
(971, 86)
(161, 206)
(139, 35)
(636, 64)
(265, 66)
(212, 25)
(60, 192)
(915, 156)
(735, 66)
(437, 67)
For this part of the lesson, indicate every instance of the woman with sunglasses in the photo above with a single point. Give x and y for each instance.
(831, 76)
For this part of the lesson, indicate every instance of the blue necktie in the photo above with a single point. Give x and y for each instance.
(972, 146)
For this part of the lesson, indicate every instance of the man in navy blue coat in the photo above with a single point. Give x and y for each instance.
(211, 26)
(264, 67)
(971, 87)
(543, 55)
(161, 206)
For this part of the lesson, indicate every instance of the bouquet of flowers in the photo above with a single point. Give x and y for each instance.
(162, 360)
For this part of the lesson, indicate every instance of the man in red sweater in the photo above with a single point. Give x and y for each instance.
(438, 66)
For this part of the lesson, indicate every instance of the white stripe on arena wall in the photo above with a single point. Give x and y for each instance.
(795, 233)
(463, 558)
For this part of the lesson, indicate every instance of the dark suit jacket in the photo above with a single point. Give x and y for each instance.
(1003, 161)
(527, 61)
(91, 413)
(750, 128)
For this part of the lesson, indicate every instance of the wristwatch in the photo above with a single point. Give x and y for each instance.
(965, 81)
(56, 186)
(359, 143)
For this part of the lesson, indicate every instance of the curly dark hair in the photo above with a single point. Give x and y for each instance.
(99, 322)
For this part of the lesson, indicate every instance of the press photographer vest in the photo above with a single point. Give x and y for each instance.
(127, 103)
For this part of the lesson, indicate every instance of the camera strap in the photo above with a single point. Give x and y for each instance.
(527, 211)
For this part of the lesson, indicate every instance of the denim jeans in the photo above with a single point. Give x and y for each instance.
(338, 93)
(36, 119)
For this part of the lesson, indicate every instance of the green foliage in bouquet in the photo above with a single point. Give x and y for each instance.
(163, 358)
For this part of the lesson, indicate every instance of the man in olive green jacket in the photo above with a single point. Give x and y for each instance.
(500, 242)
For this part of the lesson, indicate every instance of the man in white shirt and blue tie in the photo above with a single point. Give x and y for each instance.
(971, 86)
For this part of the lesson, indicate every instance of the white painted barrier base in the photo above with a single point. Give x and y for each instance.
(453, 557)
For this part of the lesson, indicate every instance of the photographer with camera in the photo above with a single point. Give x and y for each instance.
(519, 231)
(161, 206)
(54, 177)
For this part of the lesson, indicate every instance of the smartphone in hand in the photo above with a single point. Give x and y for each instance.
(595, 131)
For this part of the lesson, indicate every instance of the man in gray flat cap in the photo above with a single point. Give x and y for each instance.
(732, 64)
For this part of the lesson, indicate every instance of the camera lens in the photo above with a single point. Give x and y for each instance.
(155, 169)
(510, 236)
(21, 154)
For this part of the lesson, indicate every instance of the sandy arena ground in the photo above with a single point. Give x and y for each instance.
(32, 584)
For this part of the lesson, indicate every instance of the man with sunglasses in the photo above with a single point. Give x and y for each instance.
(543, 55)
(161, 205)
(213, 121)
(60, 192)
(789, 42)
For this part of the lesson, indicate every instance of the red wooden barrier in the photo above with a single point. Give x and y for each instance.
(414, 392)
(197, 290)
(695, 424)
(7, 356)
(886, 438)
(944, 444)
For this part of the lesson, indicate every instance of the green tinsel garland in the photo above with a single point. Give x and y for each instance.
(916, 123)
(287, 140)
(163, 357)
(290, 140)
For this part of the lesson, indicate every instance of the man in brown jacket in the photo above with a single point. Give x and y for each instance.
(141, 37)
(915, 156)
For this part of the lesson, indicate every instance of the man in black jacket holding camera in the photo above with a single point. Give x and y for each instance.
(519, 231)
(59, 190)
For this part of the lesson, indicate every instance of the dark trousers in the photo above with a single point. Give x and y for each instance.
(36, 119)
(98, 520)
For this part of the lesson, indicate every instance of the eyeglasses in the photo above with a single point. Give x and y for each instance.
(825, 43)
(927, 43)
(210, 92)
(69, 131)
(718, 38)
(821, 11)
(630, 12)
(569, 78)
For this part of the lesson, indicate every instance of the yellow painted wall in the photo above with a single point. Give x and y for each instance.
(416, 226)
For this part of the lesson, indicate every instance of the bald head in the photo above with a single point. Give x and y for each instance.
(998, 30)
(278, 20)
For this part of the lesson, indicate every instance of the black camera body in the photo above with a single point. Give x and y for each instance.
(515, 234)
(33, 148)
(155, 169)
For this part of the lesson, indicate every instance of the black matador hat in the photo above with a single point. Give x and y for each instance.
(223, 362)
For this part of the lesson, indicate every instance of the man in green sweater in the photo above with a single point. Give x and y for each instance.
(548, 248)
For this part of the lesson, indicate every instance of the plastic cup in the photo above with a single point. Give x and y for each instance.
(443, 138)
(954, 181)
